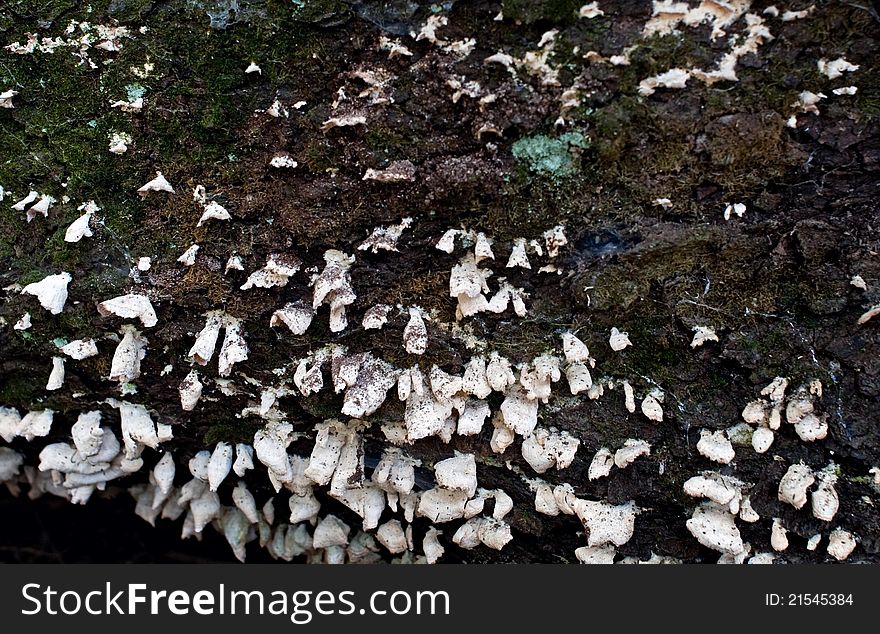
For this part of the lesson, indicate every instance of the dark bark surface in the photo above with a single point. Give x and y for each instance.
(775, 284)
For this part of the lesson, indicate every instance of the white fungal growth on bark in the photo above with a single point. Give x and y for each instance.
(203, 348)
(715, 527)
(244, 459)
(651, 407)
(841, 543)
(457, 474)
(824, 500)
(385, 238)
(79, 228)
(672, 78)
(396, 172)
(794, 484)
(778, 536)
(119, 142)
(631, 450)
(545, 449)
(702, 334)
(333, 287)
(51, 291)
(158, 184)
(835, 68)
(415, 334)
(376, 317)
(213, 211)
(618, 340)
(716, 446)
(296, 317)
(6, 98)
(601, 464)
(219, 465)
(520, 413)
(56, 377)
(518, 255)
(126, 364)
(130, 306)
(234, 348)
(24, 323)
(188, 257)
(723, 490)
(138, 429)
(190, 390)
(32, 425)
(278, 270)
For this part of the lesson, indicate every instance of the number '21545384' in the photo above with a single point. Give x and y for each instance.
(804, 599)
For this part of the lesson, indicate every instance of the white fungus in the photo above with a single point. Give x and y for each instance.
(778, 536)
(126, 364)
(702, 334)
(190, 390)
(631, 450)
(188, 257)
(333, 287)
(23, 323)
(79, 228)
(51, 291)
(213, 211)
(278, 270)
(376, 317)
(824, 500)
(835, 68)
(651, 407)
(518, 255)
(296, 317)
(841, 543)
(158, 184)
(794, 484)
(618, 340)
(130, 306)
(715, 446)
(715, 528)
(56, 377)
(415, 334)
(601, 464)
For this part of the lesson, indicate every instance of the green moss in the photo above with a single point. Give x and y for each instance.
(531, 11)
(17, 389)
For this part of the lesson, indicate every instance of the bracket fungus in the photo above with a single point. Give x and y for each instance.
(794, 484)
(79, 228)
(278, 270)
(190, 390)
(632, 450)
(234, 348)
(618, 340)
(296, 317)
(545, 449)
(715, 527)
(415, 334)
(703, 334)
(130, 306)
(333, 287)
(716, 446)
(376, 317)
(51, 291)
(56, 377)
(158, 184)
(385, 238)
(131, 350)
(841, 543)
(213, 211)
(651, 407)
